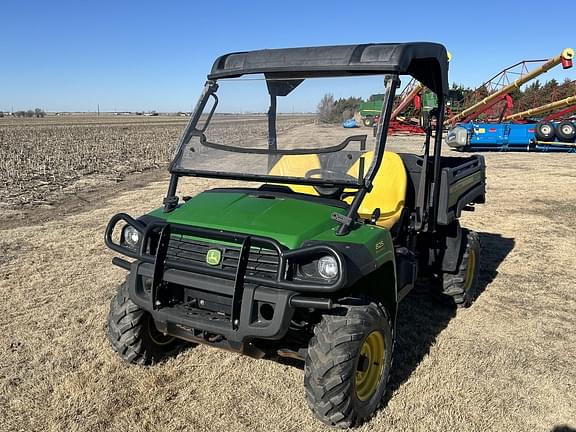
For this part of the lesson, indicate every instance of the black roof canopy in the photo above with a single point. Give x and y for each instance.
(425, 61)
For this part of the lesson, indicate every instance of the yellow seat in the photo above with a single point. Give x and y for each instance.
(388, 192)
(297, 166)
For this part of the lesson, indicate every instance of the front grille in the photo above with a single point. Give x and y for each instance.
(262, 262)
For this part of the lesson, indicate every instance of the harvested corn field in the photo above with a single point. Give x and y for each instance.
(41, 159)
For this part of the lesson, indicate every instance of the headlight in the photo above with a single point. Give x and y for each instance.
(328, 267)
(131, 236)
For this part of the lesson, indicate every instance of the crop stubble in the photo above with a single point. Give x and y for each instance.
(41, 157)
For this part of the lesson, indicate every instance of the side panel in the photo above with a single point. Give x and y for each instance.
(462, 182)
(461, 185)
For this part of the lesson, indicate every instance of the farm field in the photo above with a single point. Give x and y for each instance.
(43, 159)
(505, 364)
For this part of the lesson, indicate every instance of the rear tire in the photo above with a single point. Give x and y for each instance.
(462, 286)
(348, 364)
(368, 121)
(133, 334)
(545, 131)
(566, 131)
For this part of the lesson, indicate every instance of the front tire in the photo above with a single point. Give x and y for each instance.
(462, 286)
(368, 121)
(348, 364)
(133, 334)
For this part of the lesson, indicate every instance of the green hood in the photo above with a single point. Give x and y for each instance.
(289, 221)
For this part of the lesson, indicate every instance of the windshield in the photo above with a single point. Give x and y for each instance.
(282, 130)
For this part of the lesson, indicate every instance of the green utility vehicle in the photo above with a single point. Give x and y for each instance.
(305, 240)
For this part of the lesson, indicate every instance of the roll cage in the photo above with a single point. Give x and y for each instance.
(427, 62)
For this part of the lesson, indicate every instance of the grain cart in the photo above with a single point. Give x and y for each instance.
(370, 109)
(312, 261)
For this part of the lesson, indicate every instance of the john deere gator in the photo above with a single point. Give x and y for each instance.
(302, 245)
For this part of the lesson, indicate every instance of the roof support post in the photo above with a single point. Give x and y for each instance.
(437, 162)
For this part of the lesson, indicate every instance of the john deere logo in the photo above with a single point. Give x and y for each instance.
(213, 257)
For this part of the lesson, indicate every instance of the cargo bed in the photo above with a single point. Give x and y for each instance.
(462, 183)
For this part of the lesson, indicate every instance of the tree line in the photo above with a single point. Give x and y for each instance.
(37, 112)
(332, 110)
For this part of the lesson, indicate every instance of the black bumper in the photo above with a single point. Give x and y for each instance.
(198, 321)
(190, 299)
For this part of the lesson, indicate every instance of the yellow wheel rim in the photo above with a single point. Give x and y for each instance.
(471, 270)
(370, 366)
(155, 336)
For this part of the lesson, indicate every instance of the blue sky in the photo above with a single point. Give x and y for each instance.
(68, 56)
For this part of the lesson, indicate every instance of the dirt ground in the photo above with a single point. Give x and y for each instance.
(506, 364)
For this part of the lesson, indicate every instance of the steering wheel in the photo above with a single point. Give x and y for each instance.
(327, 174)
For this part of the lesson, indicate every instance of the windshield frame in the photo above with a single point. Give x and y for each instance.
(391, 84)
(192, 130)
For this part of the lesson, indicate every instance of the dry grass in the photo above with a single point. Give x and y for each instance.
(506, 364)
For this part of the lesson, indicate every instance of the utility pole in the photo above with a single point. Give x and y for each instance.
(98, 110)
